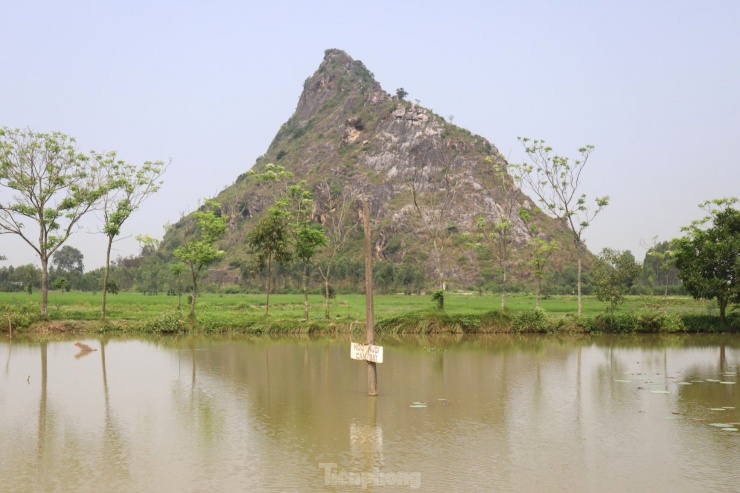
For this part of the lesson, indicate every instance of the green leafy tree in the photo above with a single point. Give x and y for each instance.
(613, 274)
(198, 250)
(659, 268)
(556, 180)
(401, 93)
(61, 284)
(270, 240)
(68, 259)
(708, 257)
(127, 187)
(53, 186)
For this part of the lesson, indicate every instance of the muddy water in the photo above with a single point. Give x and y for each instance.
(292, 414)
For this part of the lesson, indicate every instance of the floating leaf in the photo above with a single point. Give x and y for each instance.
(418, 405)
(728, 383)
(684, 383)
(720, 425)
(660, 392)
(728, 407)
(623, 381)
(717, 409)
(729, 429)
(712, 380)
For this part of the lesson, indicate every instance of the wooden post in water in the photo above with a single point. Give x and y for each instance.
(372, 371)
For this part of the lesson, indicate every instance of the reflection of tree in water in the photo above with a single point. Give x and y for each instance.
(115, 467)
(199, 411)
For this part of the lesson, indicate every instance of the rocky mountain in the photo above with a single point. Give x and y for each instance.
(428, 181)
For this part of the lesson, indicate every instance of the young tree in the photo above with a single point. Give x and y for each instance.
(53, 185)
(270, 239)
(339, 228)
(708, 257)
(128, 187)
(555, 181)
(542, 249)
(613, 275)
(498, 229)
(308, 238)
(197, 250)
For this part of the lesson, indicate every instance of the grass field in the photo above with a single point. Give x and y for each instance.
(243, 312)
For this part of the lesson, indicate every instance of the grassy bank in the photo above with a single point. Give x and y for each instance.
(464, 313)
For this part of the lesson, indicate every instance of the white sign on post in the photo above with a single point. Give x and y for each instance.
(366, 352)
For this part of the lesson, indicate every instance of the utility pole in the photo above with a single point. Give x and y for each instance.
(372, 371)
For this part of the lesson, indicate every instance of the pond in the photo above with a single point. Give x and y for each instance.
(486, 413)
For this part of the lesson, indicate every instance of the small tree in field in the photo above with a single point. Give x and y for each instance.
(613, 274)
(52, 185)
(270, 240)
(198, 251)
(555, 180)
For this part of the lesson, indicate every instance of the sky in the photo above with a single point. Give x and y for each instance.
(653, 85)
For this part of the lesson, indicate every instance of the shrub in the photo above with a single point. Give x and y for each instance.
(530, 321)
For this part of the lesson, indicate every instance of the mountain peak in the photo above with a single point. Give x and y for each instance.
(339, 80)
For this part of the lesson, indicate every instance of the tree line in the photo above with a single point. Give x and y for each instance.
(53, 186)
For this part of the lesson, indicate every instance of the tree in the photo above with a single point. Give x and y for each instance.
(61, 284)
(659, 268)
(308, 238)
(54, 186)
(68, 259)
(176, 271)
(401, 93)
(128, 186)
(434, 185)
(708, 257)
(613, 274)
(197, 250)
(542, 249)
(336, 219)
(555, 181)
(270, 239)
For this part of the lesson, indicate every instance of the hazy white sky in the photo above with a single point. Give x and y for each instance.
(654, 85)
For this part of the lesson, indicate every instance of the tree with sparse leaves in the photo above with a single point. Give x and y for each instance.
(308, 237)
(52, 185)
(556, 181)
(128, 186)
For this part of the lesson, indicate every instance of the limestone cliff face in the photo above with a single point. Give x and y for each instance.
(426, 178)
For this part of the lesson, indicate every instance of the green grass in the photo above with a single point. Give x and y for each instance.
(399, 313)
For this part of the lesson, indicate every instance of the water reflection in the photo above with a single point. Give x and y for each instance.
(508, 413)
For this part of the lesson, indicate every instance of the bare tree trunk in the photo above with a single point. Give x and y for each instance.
(580, 269)
(326, 296)
(44, 287)
(105, 277)
(305, 291)
(269, 284)
(194, 295)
